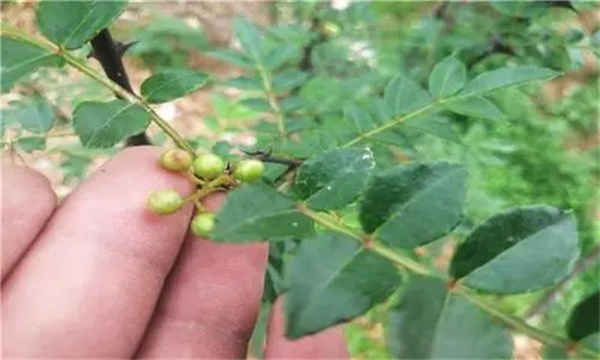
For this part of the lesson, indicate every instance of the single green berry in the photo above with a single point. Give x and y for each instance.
(203, 224)
(208, 166)
(331, 29)
(176, 160)
(164, 202)
(249, 170)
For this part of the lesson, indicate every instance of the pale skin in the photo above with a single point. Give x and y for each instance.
(98, 276)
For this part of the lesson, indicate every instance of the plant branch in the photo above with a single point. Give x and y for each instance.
(10, 31)
(109, 54)
(390, 124)
(550, 296)
(272, 99)
(519, 325)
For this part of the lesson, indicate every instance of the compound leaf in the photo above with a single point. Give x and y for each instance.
(411, 205)
(72, 23)
(171, 84)
(104, 124)
(523, 249)
(333, 179)
(333, 279)
(254, 212)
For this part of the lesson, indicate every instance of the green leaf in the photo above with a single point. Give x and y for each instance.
(585, 318)
(403, 95)
(288, 80)
(333, 279)
(430, 323)
(72, 23)
(19, 59)
(520, 9)
(590, 342)
(280, 55)
(249, 35)
(104, 124)
(447, 77)
(359, 119)
(505, 77)
(555, 353)
(333, 179)
(477, 107)
(435, 125)
(171, 84)
(411, 205)
(233, 57)
(256, 104)
(30, 144)
(254, 212)
(523, 249)
(37, 116)
(246, 83)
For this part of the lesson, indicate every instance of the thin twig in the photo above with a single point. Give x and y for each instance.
(109, 53)
(591, 258)
(268, 157)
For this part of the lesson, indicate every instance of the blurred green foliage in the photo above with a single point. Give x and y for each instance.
(166, 42)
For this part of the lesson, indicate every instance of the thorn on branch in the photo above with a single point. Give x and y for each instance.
(109, 54)
(120, 47)
(269, 158)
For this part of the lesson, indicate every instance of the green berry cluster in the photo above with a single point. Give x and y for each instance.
(210, 173)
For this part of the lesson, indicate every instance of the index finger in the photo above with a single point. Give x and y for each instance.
(88, 286)
(211, 301)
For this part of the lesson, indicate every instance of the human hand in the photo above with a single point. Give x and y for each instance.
(100, 276)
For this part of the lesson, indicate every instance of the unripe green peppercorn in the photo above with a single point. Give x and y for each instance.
(176, 160)
(208, 166)
(203, 223)
(249, 170)
(164, 202)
